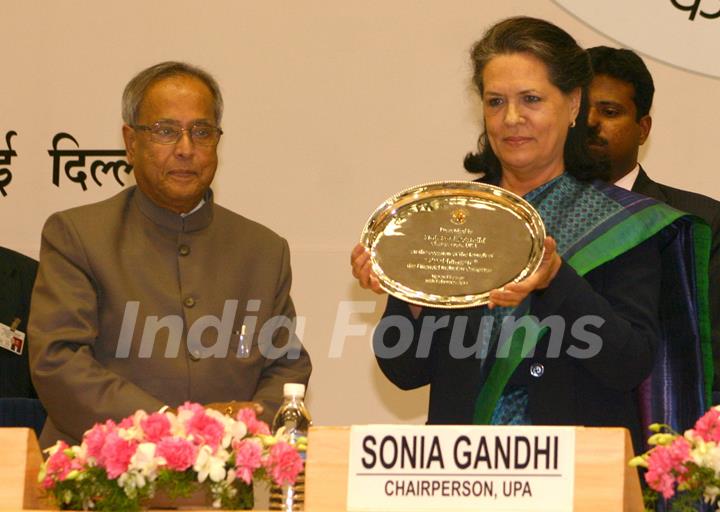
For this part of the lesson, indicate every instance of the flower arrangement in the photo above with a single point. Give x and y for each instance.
(684, 467)
(121, 466)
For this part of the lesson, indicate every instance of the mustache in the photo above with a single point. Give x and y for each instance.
(594, 137)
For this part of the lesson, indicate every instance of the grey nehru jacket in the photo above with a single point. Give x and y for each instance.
(125, 264)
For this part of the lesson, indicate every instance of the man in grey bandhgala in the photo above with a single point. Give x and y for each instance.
(158, 295)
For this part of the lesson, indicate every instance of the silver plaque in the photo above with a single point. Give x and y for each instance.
(448, 244)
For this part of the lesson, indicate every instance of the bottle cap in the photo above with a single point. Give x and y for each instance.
(292, 389)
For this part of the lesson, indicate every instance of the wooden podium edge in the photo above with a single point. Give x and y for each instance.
(327, 466)
(19, 470)
(603, 478)
(35, 496)
(632, 489)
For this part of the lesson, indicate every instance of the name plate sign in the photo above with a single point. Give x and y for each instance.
(489, 468)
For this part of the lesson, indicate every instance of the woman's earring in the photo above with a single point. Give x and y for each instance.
(573, 124)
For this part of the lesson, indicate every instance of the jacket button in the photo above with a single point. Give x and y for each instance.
(537, 370)
(195, 355)
(183, 250)
(189, 302)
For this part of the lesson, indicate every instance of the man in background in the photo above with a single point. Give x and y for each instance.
(621, 95)
(17, 274)
(158, 295)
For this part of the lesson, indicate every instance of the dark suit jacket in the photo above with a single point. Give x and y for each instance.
(17, 274)
(709, 210)
(567, 390)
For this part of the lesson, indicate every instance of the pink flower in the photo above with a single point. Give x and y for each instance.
(283, 463)
(204, 429)
(58, 466)
(248, 416)
(94, 439)
(193, 407)
(248, 457)
(116, 454)
(708, 427)
(126, 423)
(155, 427)
(666, 466)
(179, 454)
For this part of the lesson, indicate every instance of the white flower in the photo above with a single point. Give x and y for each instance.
(706, 454)
(218, 489)
(237, 430)
(141, 470)
(131, 481)
(217, 415)
(138, 417)
(52, 450)
(227, 423)
(178, 422)
(209, 464)
(135, 432)
(177, 427)
(79, 451)
(130, 434)
(144, 461)
(710, 493)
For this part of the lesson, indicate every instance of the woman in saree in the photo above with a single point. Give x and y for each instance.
(618, 269)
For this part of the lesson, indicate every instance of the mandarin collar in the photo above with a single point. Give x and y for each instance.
(198, 220)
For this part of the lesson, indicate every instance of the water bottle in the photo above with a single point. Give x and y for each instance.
(291, 422)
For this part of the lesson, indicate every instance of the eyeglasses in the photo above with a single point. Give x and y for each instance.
(168, 133)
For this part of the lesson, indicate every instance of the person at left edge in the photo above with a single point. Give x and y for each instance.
(124, 283)
(17, 274)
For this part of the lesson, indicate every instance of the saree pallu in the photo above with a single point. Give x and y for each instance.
(594, 223)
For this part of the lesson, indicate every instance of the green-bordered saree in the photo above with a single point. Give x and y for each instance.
(594, 223)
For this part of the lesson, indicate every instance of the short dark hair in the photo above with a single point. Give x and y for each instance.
(568, 68)
(626, 65)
